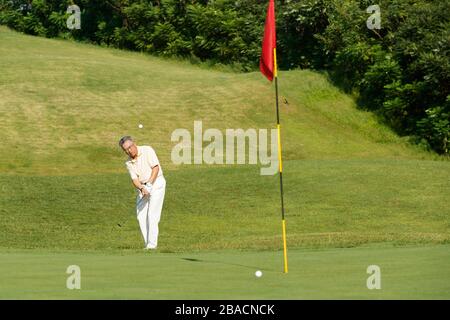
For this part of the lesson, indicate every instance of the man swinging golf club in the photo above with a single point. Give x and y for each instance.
(147, 177)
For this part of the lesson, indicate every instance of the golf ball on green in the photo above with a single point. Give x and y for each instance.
(140, 126)
(258, 274)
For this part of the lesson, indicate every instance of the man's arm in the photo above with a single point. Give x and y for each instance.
(138, 185)
(152, 179)
(154, 174)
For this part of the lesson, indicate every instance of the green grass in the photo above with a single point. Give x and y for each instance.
(406, 273)
(329, 203)
(64, 105)
(349, 181)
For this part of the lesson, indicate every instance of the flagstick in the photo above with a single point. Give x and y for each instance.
(283, 221)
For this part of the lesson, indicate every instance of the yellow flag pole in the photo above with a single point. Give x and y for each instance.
(280, 162)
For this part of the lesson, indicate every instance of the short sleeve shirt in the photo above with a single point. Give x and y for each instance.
(141, 167)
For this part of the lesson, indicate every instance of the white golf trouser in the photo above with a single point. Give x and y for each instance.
(149, 212)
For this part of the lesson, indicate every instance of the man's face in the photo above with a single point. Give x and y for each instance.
(130, 149)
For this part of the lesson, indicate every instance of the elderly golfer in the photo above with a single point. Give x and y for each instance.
(147, 177)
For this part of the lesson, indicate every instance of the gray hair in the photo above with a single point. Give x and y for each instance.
(125, 139)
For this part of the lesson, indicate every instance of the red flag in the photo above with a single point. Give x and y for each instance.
(267, 61)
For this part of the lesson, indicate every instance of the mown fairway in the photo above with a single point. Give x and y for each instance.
(406, 273)
(66, 198)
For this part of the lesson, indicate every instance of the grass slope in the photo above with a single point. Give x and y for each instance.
(63, 106)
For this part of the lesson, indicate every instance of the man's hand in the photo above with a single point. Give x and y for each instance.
(145, 192)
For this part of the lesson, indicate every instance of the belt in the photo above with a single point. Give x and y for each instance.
(145, 183)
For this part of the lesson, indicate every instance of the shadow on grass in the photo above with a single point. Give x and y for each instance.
(226, 263)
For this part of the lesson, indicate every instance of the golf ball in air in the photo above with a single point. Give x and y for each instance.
(140, 126)
(258, 274)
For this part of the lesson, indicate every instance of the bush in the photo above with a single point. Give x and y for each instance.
(401, 71)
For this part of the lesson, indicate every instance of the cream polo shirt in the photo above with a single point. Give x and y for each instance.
(141, 167)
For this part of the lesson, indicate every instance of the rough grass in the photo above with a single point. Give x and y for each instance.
(329, 203)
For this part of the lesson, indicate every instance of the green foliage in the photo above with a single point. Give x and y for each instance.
(402, 71)
(381, 73)
(434, 127)
(298, 24)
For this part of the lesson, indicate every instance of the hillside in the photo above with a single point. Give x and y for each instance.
(64, 105)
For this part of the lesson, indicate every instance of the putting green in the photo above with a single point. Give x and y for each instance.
(406, 273)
